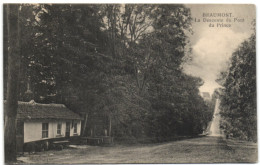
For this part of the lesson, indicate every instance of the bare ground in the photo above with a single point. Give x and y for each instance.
(196, 150)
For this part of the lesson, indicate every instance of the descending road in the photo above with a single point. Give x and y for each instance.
(196, 150)
(214, 127)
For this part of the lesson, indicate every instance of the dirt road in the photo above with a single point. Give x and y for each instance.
(197, 150)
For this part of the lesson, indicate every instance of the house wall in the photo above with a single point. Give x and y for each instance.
(33, 130)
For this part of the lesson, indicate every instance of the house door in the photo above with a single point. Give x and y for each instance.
(67, 134)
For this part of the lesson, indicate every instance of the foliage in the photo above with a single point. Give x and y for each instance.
(238, 98)
(124, 61)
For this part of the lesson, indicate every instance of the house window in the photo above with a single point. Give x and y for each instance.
(75, 128)
(45, 128)
(59, 129)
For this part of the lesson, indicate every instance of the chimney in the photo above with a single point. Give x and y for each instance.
(28, 93)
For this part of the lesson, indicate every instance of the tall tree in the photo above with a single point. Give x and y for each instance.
(12, 22)
(238, 97)
(123, 61)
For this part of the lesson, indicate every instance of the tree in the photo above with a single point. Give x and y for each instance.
(238, 98)
(121, 61)
(12, 22)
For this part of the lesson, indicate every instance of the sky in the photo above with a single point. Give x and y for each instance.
(212, 47)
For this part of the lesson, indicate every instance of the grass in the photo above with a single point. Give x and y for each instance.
(196, 150)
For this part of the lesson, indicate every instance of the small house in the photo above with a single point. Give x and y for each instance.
(205, 95)
(45, 122)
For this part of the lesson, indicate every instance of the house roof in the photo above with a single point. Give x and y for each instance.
(32, 110)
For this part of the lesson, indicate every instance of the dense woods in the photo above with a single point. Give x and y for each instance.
(124, 61)
(238, 97)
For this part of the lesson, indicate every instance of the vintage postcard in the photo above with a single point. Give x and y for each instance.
(129, 83)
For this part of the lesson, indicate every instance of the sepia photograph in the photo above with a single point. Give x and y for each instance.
(129, 83)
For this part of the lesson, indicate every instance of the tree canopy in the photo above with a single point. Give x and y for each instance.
(121, 60)
(238, 97)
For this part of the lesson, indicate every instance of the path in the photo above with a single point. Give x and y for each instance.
(197, 150)
(214, 127)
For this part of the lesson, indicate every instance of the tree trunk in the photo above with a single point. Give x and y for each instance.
(84, 125)
(12, 81)
(109, 131)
